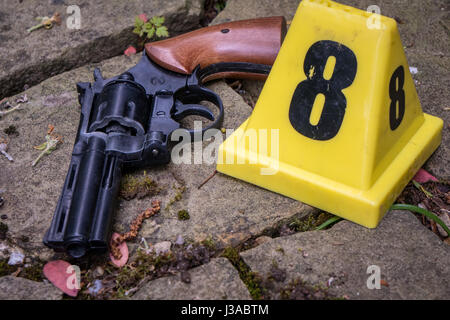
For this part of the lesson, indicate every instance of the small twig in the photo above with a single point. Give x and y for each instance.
(138, 286)
(421, 188)
(4, 148)
(23, 99)
(46, 22)
(207, 179)
(16, 274)
(236, 85)
(4, 113)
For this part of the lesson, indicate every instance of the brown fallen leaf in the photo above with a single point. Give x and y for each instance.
(384, 283)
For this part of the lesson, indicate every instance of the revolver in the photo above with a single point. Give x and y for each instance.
(126, 121)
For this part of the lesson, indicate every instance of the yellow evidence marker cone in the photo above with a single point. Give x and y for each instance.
(338, 124)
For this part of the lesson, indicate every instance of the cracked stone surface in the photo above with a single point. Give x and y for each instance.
(413, 261)
(27, 59)
(217, 280)
(424, 27)
(12, 288)
(218, 209)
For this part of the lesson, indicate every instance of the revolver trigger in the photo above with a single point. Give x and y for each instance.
(184, 110)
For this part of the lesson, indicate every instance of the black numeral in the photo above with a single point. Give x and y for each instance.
(335, 102)
(397, 95)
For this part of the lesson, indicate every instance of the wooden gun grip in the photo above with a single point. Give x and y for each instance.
(254, 41)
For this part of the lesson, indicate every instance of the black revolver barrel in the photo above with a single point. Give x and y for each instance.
(106, 202)
(84, 213)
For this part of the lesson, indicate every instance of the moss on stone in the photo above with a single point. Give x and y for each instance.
(310, 222)
(209, 244)
(33, 272)
(178, 196)
(3, 227)
(300, 290)
(251, 279)
(3, 230)
(183, 215)
(6, 269)
(11, 131)
(30, 272)
(145, 265)
(140, 187)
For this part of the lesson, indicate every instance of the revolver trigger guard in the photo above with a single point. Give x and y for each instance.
(184, 110)
(188, 104)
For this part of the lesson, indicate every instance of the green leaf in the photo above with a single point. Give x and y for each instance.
(41, 147)
(147, 27)
(138, 22)
(157, 21)
(162, 32)
(137, 30)
(424, 212)
(151, 33)
(328, 222)
(219, 7)
(419, 186)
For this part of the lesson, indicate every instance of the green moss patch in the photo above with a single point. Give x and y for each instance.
(3, 230)
(178, 196)
(183, 215)
(251, 279)
(300, 290)
(140, 187)
(32, 271)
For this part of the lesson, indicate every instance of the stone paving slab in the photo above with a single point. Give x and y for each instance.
(217, 280)
(218, 209)
(106, 31)
(424, 27)
(412, 260)
(14, 288)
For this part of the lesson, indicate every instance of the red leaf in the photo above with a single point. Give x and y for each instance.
(130, 51)
(63, 276)
(143, 17)
(423, 176)
(123, 250)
